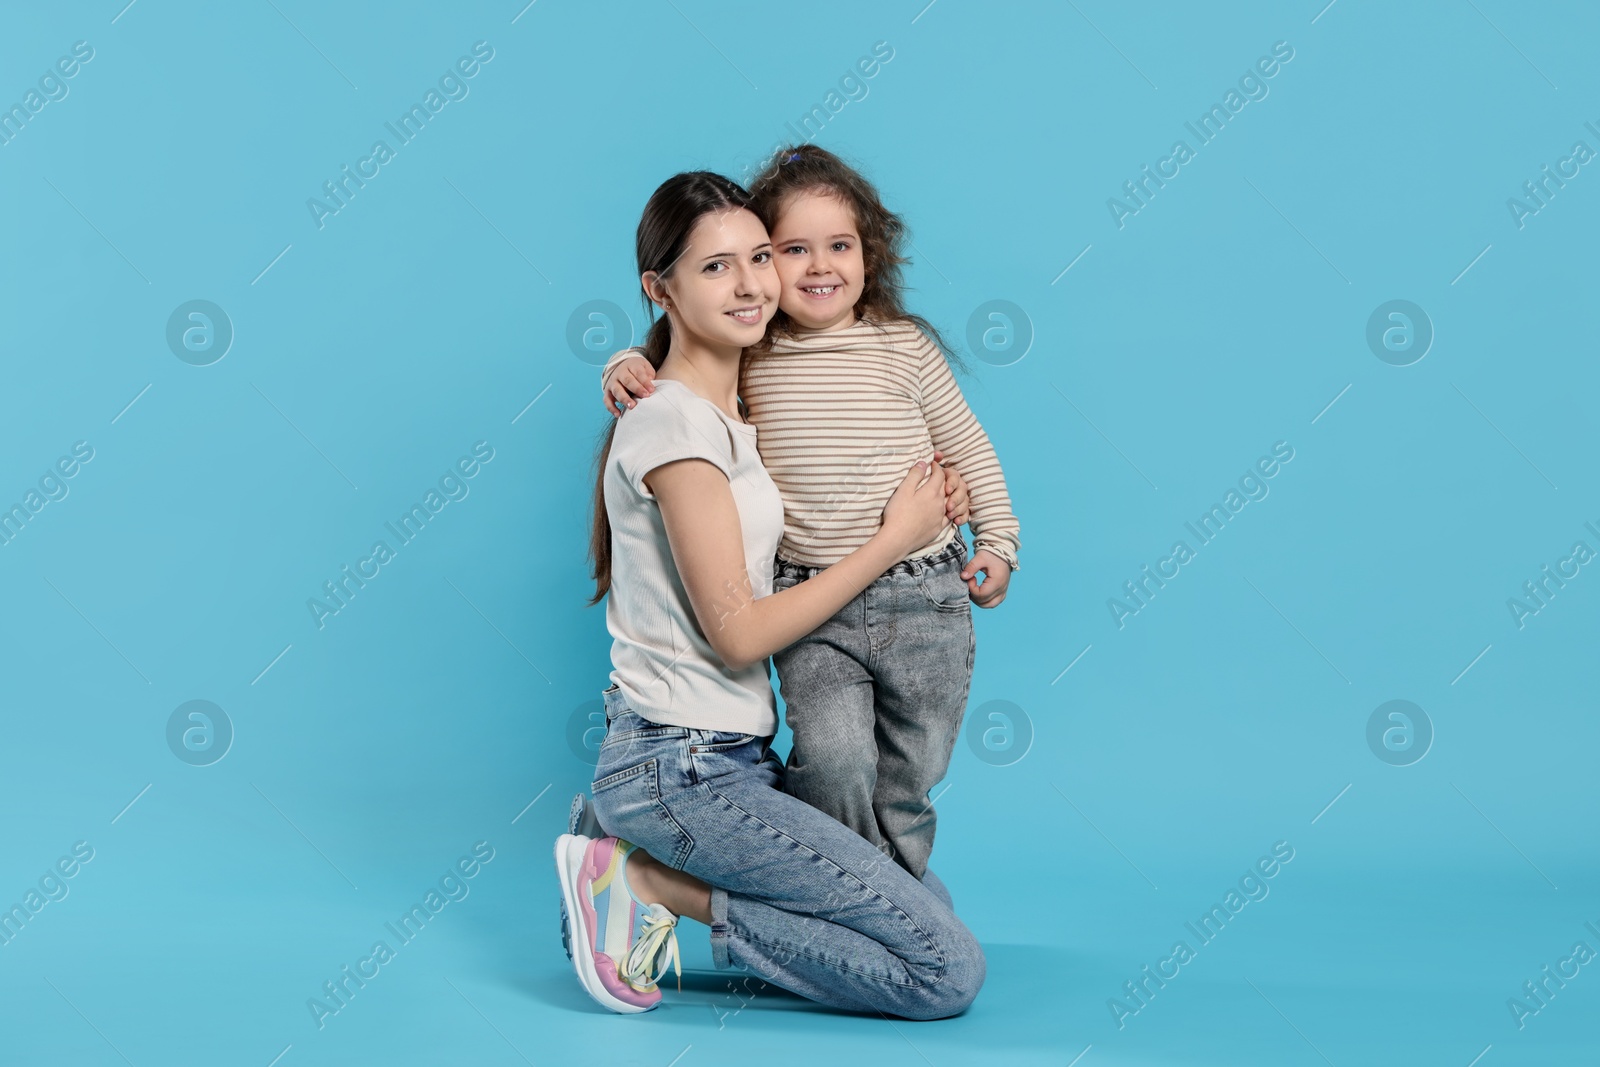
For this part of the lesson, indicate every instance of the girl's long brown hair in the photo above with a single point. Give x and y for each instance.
(669, 216)
(806, 168)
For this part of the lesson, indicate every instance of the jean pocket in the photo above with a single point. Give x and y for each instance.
(645, 772)
(946, 591)
(715, 753)
(630, 741)
(716, 740)
(628, 803)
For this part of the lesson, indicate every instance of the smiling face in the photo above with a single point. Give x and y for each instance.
(819, 261)
(723, 289)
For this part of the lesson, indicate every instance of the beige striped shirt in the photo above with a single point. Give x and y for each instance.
(842, 415)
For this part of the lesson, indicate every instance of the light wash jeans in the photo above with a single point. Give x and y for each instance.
(875, 697)
(796, 898)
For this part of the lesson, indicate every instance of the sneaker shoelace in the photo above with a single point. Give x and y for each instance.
(653, 951)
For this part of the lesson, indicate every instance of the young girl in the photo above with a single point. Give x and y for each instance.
(846, 388)
(685, 511)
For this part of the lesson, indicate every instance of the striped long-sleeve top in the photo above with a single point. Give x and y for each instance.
(841, 416)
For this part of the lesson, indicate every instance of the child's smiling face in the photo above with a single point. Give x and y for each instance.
(818, 255)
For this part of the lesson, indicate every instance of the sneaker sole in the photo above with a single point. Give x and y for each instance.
(569, 853)
(566, 935)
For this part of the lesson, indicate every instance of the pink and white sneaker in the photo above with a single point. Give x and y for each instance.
(621, 946)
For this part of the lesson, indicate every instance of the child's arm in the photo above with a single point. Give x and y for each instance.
(627, 375)
(957, 432)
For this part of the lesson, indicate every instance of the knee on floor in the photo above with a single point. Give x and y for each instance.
(958, 982)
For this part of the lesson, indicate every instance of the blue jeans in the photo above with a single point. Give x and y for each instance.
(875, 697)
(796, 898)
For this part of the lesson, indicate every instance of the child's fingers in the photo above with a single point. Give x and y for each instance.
(995, 584)
(638, 383)
(619, 398)
(957, 501)
(986, 595)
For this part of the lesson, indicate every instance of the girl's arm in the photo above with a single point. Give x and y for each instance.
(954, 428)
(702, 524)
(627, 376)
(957, 432)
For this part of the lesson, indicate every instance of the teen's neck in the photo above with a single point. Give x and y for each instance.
(711, 372)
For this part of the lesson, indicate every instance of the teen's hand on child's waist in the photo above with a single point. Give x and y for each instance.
(914, 513)
(997, 576)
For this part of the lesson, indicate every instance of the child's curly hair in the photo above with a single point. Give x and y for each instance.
(808, 168)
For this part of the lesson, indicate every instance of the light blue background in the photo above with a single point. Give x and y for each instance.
(430, 312)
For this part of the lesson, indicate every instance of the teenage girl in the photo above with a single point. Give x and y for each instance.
(847, 387)
(686, 520)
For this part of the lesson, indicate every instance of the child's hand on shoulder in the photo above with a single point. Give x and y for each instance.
(996, 577)
(633, 377)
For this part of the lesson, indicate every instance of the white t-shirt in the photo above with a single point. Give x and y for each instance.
(662, 661)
